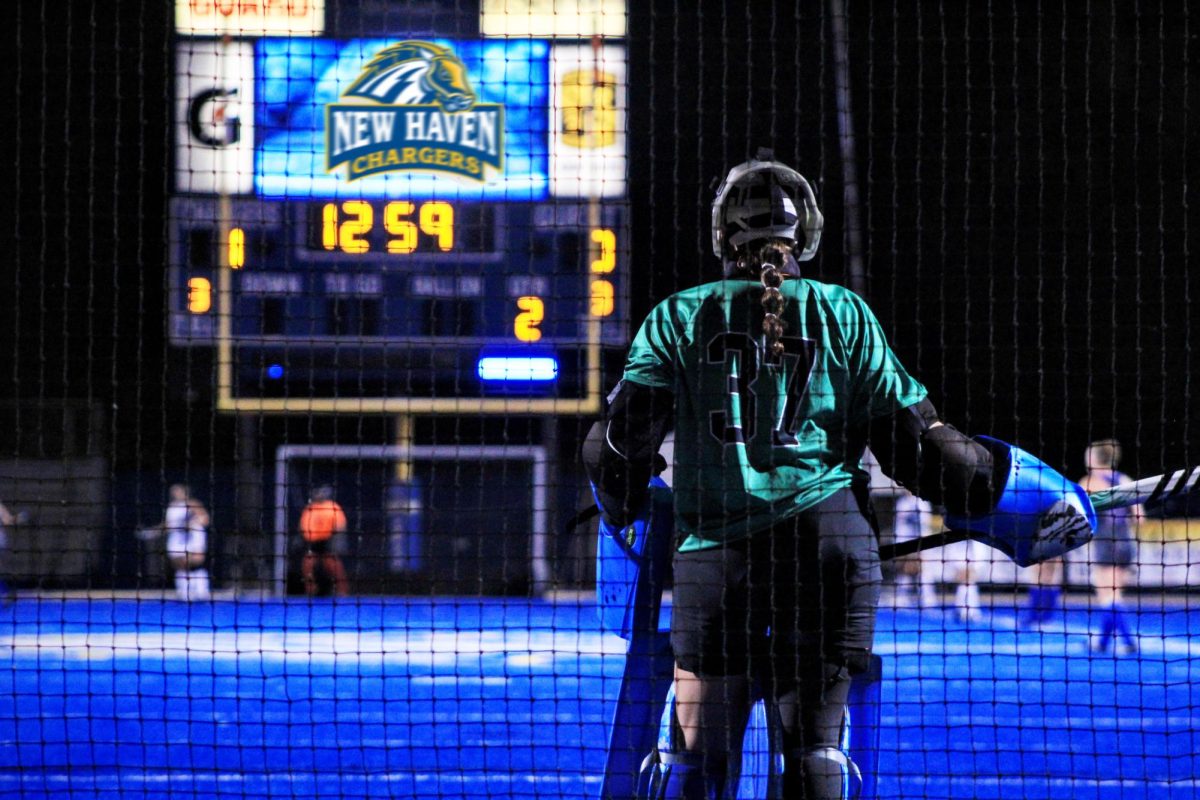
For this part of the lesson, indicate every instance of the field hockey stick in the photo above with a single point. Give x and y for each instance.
(1147, 490)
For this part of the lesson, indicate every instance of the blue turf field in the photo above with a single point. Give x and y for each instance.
(495, 698)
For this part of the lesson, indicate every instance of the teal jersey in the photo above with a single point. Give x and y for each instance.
(760, 439)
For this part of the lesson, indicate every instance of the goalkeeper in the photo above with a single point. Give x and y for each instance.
(774, 385)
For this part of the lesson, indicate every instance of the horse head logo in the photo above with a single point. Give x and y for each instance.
(415, 73)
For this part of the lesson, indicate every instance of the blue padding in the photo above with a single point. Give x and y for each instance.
(863, 740)
(1016, 526)
(632, 564)
(645, 683)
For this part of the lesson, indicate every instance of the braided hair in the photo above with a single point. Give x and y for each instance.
(771, 260)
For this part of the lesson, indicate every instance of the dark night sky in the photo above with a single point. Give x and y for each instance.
(1024, 178)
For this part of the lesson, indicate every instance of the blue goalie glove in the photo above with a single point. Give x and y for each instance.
(1041, 515)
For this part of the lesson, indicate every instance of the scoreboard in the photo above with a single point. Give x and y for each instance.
(401, 223)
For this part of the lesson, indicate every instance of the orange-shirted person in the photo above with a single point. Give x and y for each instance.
(321, 519)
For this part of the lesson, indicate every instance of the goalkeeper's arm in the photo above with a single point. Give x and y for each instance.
(1004, 496)
(936, 462)
(619, 451)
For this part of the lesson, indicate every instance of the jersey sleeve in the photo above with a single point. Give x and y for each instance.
(651, 360)
(882, 384)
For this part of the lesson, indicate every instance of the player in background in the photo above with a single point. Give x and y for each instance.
(1113, 548)
(321, 519)
(7, 520)
(774, 385)
(186, 525)
(957, 564)
(918, 575)
(1045, 593)
(912, 519)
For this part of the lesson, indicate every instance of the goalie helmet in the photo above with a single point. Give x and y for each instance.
(764, 198)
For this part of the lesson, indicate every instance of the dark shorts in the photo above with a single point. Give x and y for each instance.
(318, 547)
(793, 600)
(1114, 543)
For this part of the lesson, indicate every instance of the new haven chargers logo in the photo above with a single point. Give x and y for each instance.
(415, 110)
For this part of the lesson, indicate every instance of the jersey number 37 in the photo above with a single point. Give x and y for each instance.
(752, 379)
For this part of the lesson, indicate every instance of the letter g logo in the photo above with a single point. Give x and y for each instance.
(213, 117)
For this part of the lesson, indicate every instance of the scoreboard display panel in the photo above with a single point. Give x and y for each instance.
(400, 219)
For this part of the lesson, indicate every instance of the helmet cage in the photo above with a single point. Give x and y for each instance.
(763, 198)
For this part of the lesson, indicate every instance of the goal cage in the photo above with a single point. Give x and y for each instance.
(455, 520)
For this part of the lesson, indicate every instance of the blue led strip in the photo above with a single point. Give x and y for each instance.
(518, 368)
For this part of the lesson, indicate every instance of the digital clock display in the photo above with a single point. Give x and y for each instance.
(401, 228)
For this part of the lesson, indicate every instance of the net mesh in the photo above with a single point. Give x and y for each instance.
(312, 304)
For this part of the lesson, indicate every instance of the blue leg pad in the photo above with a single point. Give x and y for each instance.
(649, 670)
(863, 740)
